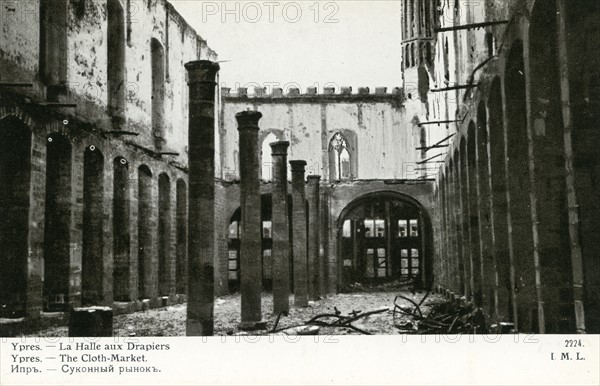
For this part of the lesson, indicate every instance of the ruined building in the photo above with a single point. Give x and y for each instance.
(93, 147)
(516, 197)
(477, 178)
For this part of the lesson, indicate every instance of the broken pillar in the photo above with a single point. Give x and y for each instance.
(314, 243)
(201, 225)
(91, 322)
(281, 226)
(250, 239)
(299, 234)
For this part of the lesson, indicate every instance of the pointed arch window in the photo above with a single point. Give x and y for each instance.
(339, 157)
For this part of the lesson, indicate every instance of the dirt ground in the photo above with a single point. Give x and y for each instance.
(170, 321)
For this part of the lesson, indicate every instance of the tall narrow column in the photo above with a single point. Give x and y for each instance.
(314, 240)
(201, 225)
(299, 234)
(281, 226)
(250, 239)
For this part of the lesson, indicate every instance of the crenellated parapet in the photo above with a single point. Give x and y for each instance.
(328, 94)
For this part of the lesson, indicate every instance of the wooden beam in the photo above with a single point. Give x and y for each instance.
(122, 132)
(427, 148)
(55, 104)
(429, 159)
(436, 122)
(470, 26)
(3, 84)
(459, 87)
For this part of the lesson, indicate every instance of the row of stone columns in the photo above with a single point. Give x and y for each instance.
(306, 247)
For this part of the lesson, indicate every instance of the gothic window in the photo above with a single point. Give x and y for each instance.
(490, 41)
(158, 91)
(116, 58)
(339, 157)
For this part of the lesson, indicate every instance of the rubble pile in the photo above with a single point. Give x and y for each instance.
(448, 317)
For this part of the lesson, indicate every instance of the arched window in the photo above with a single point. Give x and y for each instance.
(339, 158)
(428, 55)
(423, 142)
(116, 58)
(490, 42)
(158, 92)
(266, 164)
(413, 54)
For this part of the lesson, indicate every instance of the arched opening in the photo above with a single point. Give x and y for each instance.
(116, 58)
(485, 240)
(54, 16)
(499, 207)
(385, 236)
(583, 42)
(405, 20)
(266, 164)
(146, 284)
(411, 17)
(458, 224)
(234, 234)
(445, 255)
(429, 55)
(340, 166)
(413, 55)
(519, 188)
(15, 176)
(474, 215)
(57, 228)
(490, 42)
(406, 56)
(182, 236)
(427, 17)
(165, 257)
(465, 219)
(457, 283)
(550, 190)
(423, 142)
(92, 264)
(454, 277)
(121, 231)
(158, 92)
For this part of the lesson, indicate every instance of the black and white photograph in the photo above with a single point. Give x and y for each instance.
(300, 192)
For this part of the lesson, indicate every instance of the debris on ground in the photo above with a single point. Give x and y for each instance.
(340, 314)
(336, 320)
(393, 285)
(448, 317)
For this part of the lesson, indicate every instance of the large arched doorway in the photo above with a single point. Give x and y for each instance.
(499, 206)
(546, 119)
(583, 43)
(518, 177)
(15, 170)
(385, 236)
(57, 228)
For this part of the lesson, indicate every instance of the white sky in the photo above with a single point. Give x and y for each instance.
(358, 47)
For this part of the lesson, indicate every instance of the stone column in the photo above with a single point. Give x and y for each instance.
(281, 227)
(201, 226)
(250, 239)
(299, 234)
(314, 239)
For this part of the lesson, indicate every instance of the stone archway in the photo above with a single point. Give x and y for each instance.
(385, 236)
(15, 174)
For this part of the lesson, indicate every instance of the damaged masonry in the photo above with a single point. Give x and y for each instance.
(140, 198)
